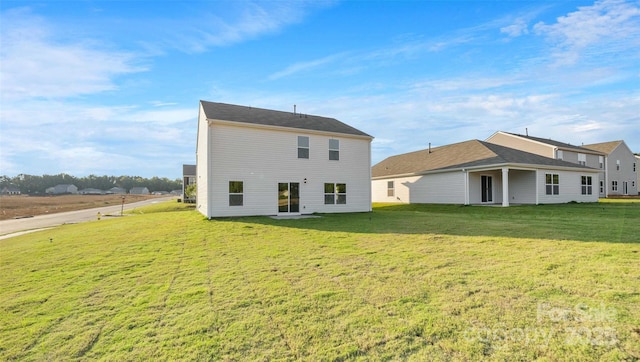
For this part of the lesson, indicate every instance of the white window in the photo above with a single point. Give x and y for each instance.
(634, 167)
(390, 189)
(552, 184)
(559, 154)
(335, 193)
(236, 194)
(303, 147)
(602, 187)
(601, 161)
(334, 149)
(582, 159)
(618, 165)
(614, 185)
(586, 185)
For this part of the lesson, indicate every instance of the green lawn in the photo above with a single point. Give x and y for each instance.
(407, 282)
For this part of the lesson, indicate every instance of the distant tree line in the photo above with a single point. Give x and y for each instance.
(33, 185)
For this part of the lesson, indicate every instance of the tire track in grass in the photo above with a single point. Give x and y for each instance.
(163, 304)
(45, 331)
(92, 341)
(216, 316)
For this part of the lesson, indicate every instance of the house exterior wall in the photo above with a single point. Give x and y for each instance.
(203, 164)
(440, 188)
(625, 173)
(401, 194)
(262, 157)
(570, 187)
(522, 186)
(522, 144)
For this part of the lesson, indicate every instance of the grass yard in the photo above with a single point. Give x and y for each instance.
(408, 282)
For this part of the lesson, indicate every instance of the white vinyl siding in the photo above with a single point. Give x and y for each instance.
(444, 188)
(203, 164)
(570, 188)
(262, 158)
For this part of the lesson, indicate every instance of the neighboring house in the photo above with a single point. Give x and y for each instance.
(188, 178)
(558, 150)
(91, 191)
(477, 172)
(10, 190)
(637, 172)
(621, 165)
(139, 191)
(116, 190)
(62, 189)
(252, 161)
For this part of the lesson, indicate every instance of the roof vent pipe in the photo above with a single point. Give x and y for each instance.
(526, 131)
(429, 147)
(294, 109)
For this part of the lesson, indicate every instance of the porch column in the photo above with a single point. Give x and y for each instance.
(505, 186)
(466, 187)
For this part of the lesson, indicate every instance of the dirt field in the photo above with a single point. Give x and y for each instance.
(23, 206)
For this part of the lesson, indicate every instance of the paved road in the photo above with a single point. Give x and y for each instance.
(13, 227)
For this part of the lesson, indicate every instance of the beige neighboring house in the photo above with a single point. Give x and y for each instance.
(580, 155)
(253, 161)
(621, 165)
(477, 172)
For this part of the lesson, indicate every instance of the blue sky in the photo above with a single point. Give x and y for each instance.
(112, 87)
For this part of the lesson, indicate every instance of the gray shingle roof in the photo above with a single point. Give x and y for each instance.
(473, 153)
(266, 117)
(188, 170)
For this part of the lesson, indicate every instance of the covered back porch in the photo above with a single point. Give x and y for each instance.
(500, 186)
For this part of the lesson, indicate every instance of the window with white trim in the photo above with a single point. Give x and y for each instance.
(335, 194)
(236, 193)
(634, 167)
(303, 147)
(391, 191)
(552, 183)
(601, 161)
(601, 187)
(586, 185)
(614, 185)
(582, 159)
(617, 165)
(559, 154)
(334, 149)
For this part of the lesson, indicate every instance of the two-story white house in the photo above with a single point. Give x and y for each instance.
(621, 168)
(558, 150)
(253, 161)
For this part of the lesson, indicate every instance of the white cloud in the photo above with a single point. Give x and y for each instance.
(231, 23)
(305, 66)
(604, 28)
(37, 65)
(519, 27)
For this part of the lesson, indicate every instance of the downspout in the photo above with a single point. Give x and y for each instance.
(606, 177)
